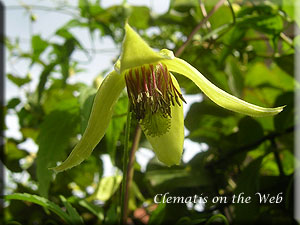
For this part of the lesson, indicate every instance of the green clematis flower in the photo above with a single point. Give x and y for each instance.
(155, 99)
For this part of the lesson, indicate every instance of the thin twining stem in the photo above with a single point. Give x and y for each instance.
(125, 160)
(196, 29)
(129, 171)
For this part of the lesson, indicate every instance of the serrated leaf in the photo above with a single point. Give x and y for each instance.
(42, 202)
(74, 217)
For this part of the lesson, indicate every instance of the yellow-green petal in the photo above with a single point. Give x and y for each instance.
(101, 114)
(169, 146)
(217, 95)
(135, 51)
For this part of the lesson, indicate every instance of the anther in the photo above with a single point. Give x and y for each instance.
(151, 93)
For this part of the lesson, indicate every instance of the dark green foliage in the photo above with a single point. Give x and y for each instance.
(247, 48)
(70, 217)
(19, 81)
(53, 139)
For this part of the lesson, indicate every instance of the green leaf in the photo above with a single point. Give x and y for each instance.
(83, 5)
(29, 132)
(74, 217)
(296, 42)
(266, 83)
(188, 221)
(97, 211)
(174, 178)
(260, 74)
(208, 123)
(19, 81)
(235, 76)
(139, 17)
(64, 33)
(222, 16)
(70, 42)
(158, 215)
(38, 46)
(270, 24)
(233, 40)
(12, 156)
(42, 202)
(84, 175)
(288, 162)
(136, 192)
(291, 7)
(258, 47)
(64, 53)
(212, 219)
(248, 184)
(250, 131)
(74, 23)
(183, 5)
(286, 63)
(263, 17)
(55, 132)
(43, 78)
(111, 213)
(107, 187)
(116, 126)
(269, 166)
(58, 97)
(13, 103)
(286, 119)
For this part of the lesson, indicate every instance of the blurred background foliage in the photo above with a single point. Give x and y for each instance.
(246, 48)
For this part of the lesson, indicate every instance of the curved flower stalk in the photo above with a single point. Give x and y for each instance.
(155, 98)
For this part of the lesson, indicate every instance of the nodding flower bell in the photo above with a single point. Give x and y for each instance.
(151, 93)
(155, 99)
